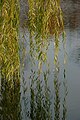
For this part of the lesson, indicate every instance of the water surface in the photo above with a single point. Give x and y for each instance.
(71, 10)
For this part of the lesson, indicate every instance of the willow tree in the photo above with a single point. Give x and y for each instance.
(9, 59)
(44, 19)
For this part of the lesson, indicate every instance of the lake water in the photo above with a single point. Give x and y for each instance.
(56, 97)
(71, 10)
(73, 66)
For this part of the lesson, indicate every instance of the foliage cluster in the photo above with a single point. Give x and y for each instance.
(9, 59)
(44, 19)
(9, 47)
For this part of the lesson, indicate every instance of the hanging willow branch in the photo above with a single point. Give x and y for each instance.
(9, 60)
(9, 55)
(44, 19)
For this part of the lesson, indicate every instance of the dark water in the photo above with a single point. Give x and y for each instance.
(55, 94)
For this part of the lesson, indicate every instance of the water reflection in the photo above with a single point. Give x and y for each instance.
(71, 12)
(76, 55)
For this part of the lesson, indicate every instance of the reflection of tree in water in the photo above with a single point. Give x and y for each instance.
(71, 12)
(75, 55)
(74, 19)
